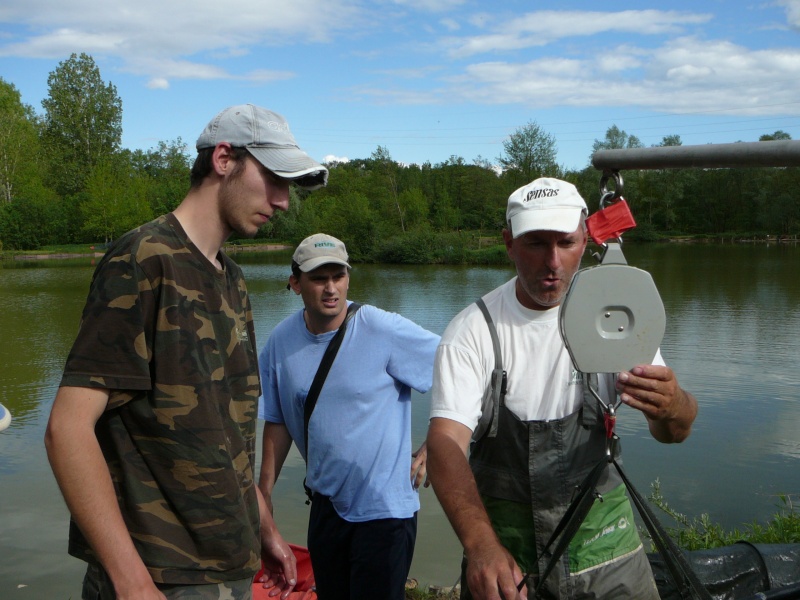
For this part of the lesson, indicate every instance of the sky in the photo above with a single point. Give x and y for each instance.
(427, 80)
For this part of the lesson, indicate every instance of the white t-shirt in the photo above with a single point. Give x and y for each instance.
(542, 382)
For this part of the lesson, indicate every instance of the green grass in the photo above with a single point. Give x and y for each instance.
(61, 249)
(701, 533)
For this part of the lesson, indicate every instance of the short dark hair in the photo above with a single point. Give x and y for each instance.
(296, 270)
(202, 164)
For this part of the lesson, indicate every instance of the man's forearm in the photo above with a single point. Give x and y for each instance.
(457, 492)
(85, 482)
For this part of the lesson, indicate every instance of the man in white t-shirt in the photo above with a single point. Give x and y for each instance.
(546, 432)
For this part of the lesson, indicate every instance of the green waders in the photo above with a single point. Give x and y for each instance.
(527, 473)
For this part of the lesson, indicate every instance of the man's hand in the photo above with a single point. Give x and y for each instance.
(277, 558)
(654, 390)
(492, 571)
(148, 592)
(419, 467)
(280, 566)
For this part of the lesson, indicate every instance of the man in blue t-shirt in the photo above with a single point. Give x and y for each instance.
(363, 523)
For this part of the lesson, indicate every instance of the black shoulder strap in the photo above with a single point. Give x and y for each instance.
(322, 373)
(499, 376)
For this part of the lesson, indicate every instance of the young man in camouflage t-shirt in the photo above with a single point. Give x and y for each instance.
(152, 432)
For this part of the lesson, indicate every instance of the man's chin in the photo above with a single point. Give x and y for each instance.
(549, 299)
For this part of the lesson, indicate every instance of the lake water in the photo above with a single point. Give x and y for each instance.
(733, 337)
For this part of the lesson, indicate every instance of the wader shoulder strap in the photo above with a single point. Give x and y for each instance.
(499, 376)
(322, 374)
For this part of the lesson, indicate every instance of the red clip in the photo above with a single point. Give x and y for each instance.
(610, 222)
(610, 421)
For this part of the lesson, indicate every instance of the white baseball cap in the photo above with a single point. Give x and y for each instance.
(545, 204)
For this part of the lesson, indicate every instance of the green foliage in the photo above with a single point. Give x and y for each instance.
(28, 223)
(671, 140)
(415, 247)
(433, 593)
(778, 135)
(617, 138)
(64, 178)
(530, 152)
(82, 123)
(701, 533)
(116, 200)
(493, 255)
(351, 218)
(166, 169)
(19, 167)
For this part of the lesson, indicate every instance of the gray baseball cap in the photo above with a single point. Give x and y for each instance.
(267, 137)
(320, 249)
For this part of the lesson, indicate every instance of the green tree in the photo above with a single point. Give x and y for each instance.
(116, 200)
(386, 170)
(30, 221)
(529, 152)
(778, 135)
(414, 207)
(671, 140)
(167, 171)
(660, 191)
(615, 139)
(20, 148)
(82, 122)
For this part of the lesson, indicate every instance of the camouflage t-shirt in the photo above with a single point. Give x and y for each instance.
(172, 338)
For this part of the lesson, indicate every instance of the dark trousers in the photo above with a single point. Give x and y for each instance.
(359, 561)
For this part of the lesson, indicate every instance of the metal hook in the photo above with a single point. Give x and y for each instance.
(618, 185)
(611, 406)
(608, 197)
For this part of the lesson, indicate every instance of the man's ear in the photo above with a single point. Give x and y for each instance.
(294, 284)
(222, 159)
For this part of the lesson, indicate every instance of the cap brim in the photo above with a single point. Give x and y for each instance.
(564, 220)
(313, 263)
(289, 162)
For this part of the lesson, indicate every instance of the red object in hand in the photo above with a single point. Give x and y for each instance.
(610, 222)
(304, 590)
(610, 422)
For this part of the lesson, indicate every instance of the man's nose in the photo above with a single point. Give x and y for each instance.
(280, 199)
(553, 257)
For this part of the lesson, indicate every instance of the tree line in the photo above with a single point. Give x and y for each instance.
(65, 179)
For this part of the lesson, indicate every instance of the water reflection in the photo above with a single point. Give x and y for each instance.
(733, 334)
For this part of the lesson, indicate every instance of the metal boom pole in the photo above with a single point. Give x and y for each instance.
(773, 153)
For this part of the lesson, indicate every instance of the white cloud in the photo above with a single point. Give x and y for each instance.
(625, 58)
(450, 24)
(431, 5)
(410, 73)
(684, 74)
(541, 28)
(158, 83)
(63, 41)
(689, 72)
(792, 12)
(168, 33)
